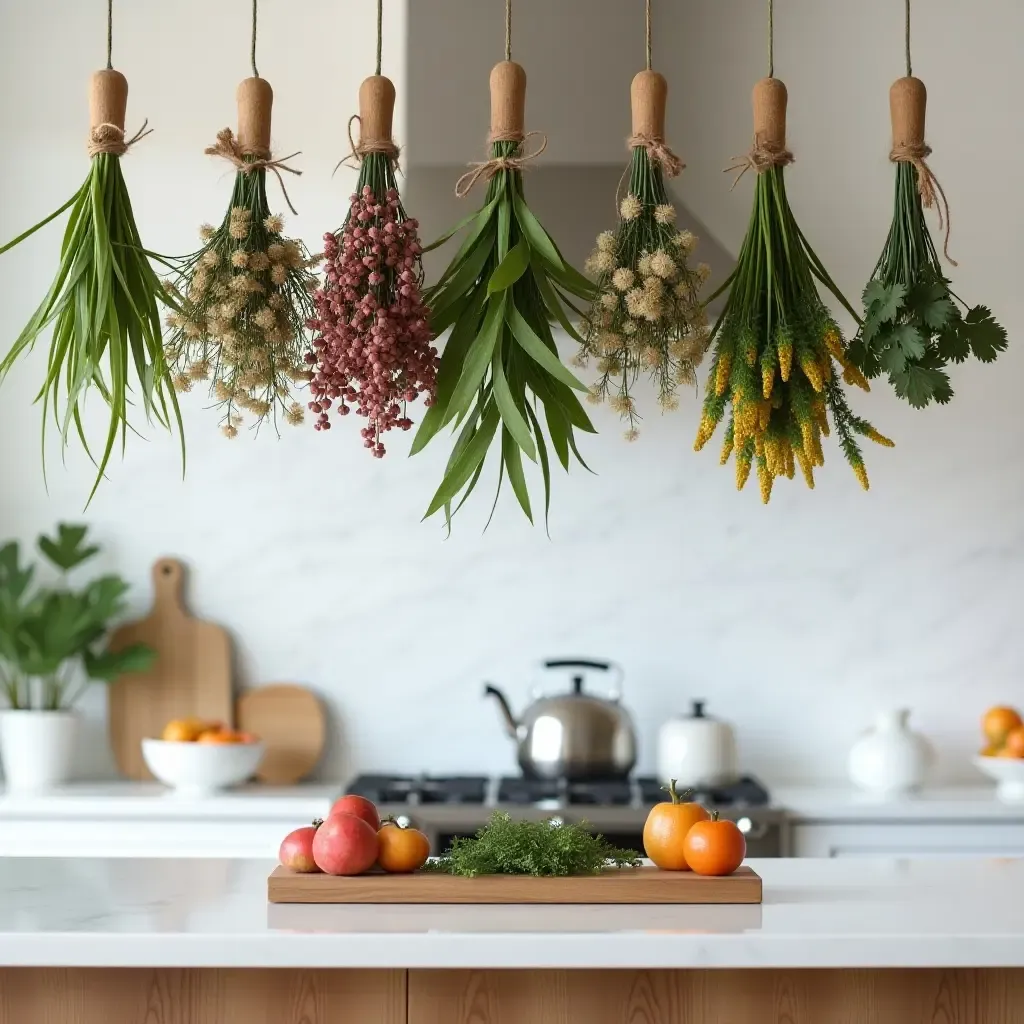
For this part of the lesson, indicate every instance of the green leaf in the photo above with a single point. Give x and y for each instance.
(909, 340)
(892, 360)
(986, 337)
(109, 666)
(465, 466)
(539, 352)
(553, 304)
(477, 360)
(545, 467)
(510, 453)
(514, 421)
(538, 239)
(479, 221)
(883, 301)
(511, 268)
(68, 549)
(920, 384)
(953, 344)
(930, 301)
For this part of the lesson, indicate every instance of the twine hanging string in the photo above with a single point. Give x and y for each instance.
(252, 48)
(228, 147)
(649, 49)
(108, 138)
(906, 7)
(763, 156)
(380, 33)
(508, 29)
(771, 38)
(110, 35)
(487, 169)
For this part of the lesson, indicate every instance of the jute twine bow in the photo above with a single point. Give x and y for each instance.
(364, 148)
(928, 185)
(228, 147)
(659, 152)
(763, 155)
(108, 138)
(487, 169)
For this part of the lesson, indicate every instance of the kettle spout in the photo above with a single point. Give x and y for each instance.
(511, 725)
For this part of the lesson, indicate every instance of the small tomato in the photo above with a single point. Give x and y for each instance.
(715, 847)
(401, 850)
(667, 826)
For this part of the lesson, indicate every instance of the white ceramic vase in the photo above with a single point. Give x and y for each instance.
(36, 748)
(890, 759)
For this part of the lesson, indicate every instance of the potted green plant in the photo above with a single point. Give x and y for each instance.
(52, 646)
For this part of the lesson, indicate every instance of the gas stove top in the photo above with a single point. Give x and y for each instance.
(517, 791)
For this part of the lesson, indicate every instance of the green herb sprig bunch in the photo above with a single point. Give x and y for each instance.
(500, 369)
(246, 295)
(52, 637)
(544, 848)
(648, 318)
(776, 344)
(913, 328)
(103, 305)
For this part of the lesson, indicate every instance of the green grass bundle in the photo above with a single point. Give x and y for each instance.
(913, 328)
(780, 361)
(245, 297)
(500, 370)
(103, 305)
(648, 318)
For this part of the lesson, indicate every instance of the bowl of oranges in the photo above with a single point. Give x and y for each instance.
(197, 758)
(1002, 757)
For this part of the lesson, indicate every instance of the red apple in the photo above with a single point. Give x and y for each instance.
(296, 851)
(360, 807)
(345, 845)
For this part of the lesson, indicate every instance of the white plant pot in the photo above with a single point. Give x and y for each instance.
(890, 759)
(36, 748)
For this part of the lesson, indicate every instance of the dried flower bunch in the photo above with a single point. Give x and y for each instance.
(104, 301)
(372, 350)
(500, 367)
(245, 298)
(912, 328)
(648, 318)
(779, 356)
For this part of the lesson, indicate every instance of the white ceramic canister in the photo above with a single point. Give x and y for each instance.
(36, 748)
(890, 759)
(697, 750)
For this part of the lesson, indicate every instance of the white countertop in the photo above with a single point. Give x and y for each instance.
(841, 803)
(213, 913)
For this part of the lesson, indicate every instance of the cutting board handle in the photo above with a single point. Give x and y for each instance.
(168, 583)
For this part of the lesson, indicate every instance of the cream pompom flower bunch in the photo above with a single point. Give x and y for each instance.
(648, 318)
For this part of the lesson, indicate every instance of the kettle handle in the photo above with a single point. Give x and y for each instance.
(601, 666)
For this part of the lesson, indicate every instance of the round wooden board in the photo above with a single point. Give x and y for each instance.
(290, 721)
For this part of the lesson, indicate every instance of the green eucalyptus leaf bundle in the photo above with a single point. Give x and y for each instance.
(775, 340)
(500, 372)
(648, 318)
(913, 326)
(52, 636)
(103, 305)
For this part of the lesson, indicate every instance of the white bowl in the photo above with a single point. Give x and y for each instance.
(1008, 773)
(199, 769)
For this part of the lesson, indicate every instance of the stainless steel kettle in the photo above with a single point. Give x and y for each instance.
(573, 735)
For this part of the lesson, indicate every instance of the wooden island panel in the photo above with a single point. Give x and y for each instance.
(130, 995)
(927, 996)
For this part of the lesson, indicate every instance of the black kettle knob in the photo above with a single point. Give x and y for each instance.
(698, 709)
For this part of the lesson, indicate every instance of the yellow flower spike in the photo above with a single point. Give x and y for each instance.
(806, 468)
(835, 344)
(790, 463)
(861, 474)
(764, 478)
(821, 417)
(704, 432)
(881, 439)
(750, 354)
(807, 432)
(773, 456)
(764, 414)
(826, 366)
(854, 377)
(785, 360)
(722, 373)
(759, 445)
(742, 471)
(727, 447)
(818, 458)
(812, 371)
(767, 381)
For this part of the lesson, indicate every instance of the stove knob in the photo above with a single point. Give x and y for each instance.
(403, 821)
(744, 824)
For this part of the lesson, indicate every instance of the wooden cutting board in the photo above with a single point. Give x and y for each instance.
(191, 676)
(290, 721)
(626, 885)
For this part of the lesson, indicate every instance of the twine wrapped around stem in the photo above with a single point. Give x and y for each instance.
(763, 155)
(487, 169)
(659, 152)
(364, 147)
(229, 148)
(932, 193)
(108, 138)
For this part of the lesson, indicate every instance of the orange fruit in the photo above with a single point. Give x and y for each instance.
(991, 750)
(667, 826)
(998, 722)
(1014, 745)
(217, 736)
(715, 847)
(183, 730)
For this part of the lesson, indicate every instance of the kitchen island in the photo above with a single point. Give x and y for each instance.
(144, 940)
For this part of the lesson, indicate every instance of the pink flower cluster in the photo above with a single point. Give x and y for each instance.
(372, 348)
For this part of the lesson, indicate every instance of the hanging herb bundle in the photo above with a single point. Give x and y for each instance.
(913, 328)
(103, 305)
(372, 349)
(246, 295)
(648, 317)
(500, 368)
(780, 360)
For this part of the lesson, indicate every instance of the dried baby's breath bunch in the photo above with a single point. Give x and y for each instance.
(648, 317)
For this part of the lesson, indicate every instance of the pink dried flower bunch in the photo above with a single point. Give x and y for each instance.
(372, 349)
